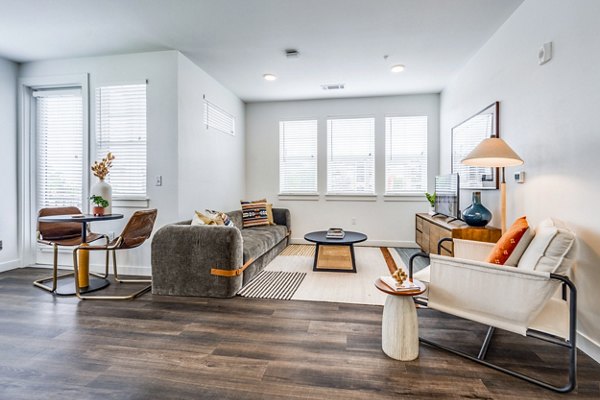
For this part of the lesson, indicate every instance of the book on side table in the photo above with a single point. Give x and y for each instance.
(394, 285)
(335, 233)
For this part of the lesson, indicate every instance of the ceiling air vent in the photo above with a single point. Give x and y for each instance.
(292, 53)
(333, 86)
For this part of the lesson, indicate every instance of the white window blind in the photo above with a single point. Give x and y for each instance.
(298, 157)
(405, 155)
(351, 156)
(217, 118)
(121, 130)
(464, 139)
(59, 142)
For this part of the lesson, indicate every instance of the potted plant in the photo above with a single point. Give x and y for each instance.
(99, 204)
(431, 200)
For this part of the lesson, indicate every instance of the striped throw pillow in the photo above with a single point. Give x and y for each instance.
(254, 213)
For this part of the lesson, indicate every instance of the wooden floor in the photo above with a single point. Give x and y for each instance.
(194, 348)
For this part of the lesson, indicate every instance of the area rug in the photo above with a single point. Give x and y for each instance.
(278, 285)
(340, 287)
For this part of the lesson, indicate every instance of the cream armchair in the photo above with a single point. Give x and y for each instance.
(520, 299)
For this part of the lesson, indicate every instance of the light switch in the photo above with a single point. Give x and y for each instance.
(545, 53)
(158, 180)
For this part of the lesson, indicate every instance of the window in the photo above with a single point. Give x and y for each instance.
(121, 130)
(215, 117)
(298, 157)
(59, 146)
(351, 156)
(405, 155)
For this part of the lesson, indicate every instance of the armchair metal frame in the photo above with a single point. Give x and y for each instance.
(108, 248)
(55, 276)
(63, 241)
(569, 343)
(137, 230)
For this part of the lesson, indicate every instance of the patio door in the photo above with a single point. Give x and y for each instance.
(59, 155)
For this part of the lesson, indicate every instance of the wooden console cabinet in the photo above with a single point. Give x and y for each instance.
(429, 230)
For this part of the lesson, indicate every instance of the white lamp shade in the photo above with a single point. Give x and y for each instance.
(492, 152)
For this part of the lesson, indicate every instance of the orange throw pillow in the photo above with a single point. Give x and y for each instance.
(506, 246)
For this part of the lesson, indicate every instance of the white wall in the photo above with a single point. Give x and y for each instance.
(200, 168)
(160, 68)
(9, 255)
(548, 116)
(384, 222)
(211, 163)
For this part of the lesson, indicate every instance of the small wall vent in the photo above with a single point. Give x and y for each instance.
(333, 86)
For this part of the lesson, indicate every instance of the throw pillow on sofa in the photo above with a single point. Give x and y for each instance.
(254, 213)
(513, 243)
(202, 219)
(220, 214)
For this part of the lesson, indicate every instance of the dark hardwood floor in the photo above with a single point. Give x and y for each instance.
(195, 348)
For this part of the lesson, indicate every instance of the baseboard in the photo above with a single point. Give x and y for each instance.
(8, 265)
(369, 243)
(588, 346)
(98, 268)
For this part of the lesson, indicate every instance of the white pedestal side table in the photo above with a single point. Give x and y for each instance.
(399, 326)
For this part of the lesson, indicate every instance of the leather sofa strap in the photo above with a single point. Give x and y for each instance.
(230, 273)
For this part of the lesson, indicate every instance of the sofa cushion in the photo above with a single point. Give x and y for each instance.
(202, 219)
(254, 213)
(551, 250)
(260, 239)
(511, 246)
(220, 215)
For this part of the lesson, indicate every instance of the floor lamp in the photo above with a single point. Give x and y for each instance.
(495, 153)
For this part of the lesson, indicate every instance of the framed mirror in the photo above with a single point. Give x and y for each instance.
(467, 135)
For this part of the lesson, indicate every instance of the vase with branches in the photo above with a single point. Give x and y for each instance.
(103, 189)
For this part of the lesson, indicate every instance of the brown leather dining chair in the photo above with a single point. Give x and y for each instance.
(136, 232)
(57, 234)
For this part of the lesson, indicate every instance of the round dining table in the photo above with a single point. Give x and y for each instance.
(87, 283)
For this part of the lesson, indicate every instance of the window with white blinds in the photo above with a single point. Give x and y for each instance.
(121, 130)
(351, 156)
(59, 146)
(464, 139)
(405, 155)
(217, 118)
(298, 157)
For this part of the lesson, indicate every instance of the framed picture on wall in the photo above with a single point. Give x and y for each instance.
(467, 135)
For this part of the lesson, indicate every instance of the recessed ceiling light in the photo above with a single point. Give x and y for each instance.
(397, 68)
(269, 77)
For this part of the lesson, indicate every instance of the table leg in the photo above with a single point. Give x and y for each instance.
(315, 263)
(400, 328)
(353, 257)
(84, 267)
(84, 260)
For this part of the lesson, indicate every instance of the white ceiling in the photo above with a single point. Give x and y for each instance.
(237, 41)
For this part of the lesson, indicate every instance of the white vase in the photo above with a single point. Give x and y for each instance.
(102, 188)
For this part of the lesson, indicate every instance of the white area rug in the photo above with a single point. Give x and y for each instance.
(342, 287)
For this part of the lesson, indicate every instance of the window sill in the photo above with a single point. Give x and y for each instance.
(130, 203)
(298, 196)
(350, 197)
(406, 197)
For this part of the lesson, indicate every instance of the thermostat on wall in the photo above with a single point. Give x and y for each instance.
(520, 177)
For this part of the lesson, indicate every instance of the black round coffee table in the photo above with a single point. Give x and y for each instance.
(332, 255)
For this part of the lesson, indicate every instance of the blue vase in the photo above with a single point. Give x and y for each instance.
(476, 214)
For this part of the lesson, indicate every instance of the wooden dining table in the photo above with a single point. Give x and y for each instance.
(87, 283)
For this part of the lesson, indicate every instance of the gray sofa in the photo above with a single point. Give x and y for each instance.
(192, 260)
